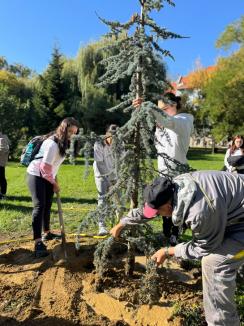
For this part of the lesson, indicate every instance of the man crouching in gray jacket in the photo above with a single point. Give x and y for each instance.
(211, 204)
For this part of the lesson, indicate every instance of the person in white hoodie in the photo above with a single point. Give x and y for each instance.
(172, 139)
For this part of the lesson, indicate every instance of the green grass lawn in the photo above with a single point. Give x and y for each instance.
(78, 195)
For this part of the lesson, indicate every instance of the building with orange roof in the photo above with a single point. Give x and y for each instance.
(185, 85)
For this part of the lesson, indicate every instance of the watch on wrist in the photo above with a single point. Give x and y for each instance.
(166, 252)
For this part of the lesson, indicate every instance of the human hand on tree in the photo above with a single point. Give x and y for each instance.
(115, 231)
(137, 102)
(162, 254)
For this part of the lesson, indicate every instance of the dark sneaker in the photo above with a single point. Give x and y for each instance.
(51, 236)
(40, 250)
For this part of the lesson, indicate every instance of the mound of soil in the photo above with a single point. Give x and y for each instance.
(51, 291)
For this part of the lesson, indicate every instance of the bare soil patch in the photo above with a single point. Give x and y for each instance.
(52, 292)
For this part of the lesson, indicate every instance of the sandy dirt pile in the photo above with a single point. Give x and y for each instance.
(52, 292)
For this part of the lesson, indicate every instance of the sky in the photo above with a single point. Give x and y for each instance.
(29, 29)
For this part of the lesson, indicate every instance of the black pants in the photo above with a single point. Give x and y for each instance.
(3, 181)
(42, 195)
(169, 228)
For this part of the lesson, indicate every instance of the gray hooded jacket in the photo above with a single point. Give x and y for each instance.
(211, 204)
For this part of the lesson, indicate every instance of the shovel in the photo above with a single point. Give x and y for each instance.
(61, 222)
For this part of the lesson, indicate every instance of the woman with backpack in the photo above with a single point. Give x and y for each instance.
(42, 182)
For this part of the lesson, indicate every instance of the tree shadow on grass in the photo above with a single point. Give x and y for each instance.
(78, 161)
(202, 157)
(81, 201)
(78, 200)
(19, 198)
(20, 208)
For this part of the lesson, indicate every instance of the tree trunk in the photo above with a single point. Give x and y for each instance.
(139, 93)
(130, 260)
(213, 145)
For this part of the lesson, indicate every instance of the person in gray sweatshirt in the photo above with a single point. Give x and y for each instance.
(104, 171)
(211, 204)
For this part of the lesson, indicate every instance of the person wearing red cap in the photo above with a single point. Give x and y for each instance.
(211, 204)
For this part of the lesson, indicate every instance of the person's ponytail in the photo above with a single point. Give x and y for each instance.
(178, 102)
(171, 98)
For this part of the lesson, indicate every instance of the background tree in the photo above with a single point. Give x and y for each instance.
(234, 33)
(197, 81)
(224, 99)
(12, 110)
(54, 89)
(20, 70)
(224, 96)
(73, 98)
(3, 63)
(95, 100)
(50, 96)
(199, 78)
(66, 88)
(15, 99)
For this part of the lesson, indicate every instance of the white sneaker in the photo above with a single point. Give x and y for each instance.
(102, 230)
(173, 240)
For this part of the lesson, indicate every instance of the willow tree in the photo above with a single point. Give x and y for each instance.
(96, 100)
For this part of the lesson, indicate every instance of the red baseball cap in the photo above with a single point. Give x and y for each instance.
(156, 195)
(149, 212)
